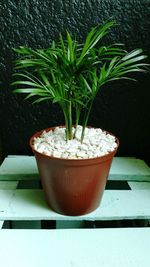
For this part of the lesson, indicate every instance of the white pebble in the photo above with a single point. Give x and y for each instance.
(81, 154)
(57, 154)
(96, 143)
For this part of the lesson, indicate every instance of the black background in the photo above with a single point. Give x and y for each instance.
(121, 108)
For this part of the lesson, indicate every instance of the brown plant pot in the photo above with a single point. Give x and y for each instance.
(73, 186)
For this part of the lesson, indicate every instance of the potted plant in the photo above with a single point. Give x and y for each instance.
(74, 160)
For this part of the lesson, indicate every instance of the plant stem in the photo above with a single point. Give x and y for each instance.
(86, 120)
(66, 120)
(70, 120)
(78, 112)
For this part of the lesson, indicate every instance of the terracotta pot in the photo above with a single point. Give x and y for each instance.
(73, 187)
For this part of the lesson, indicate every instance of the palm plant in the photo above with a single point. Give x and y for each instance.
(71, 74)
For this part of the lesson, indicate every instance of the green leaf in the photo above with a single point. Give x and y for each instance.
(22, 50)
(63, 48)
(132, 54)
(26, 83)
(86, 83)
(70, 48)
(94, 37)
(44, 78)
(41, 99)
(30, 90)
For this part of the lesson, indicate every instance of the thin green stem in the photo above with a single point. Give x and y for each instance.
(70, 120)
(66, 120)
(78, 112)
(86, 120)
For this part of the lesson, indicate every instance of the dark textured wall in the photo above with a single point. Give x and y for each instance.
(122, 107)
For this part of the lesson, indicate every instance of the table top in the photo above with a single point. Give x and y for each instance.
(125, 247)
(29, 203)
(128, 247)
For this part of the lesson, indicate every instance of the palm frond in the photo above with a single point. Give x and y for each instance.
(71, 73)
